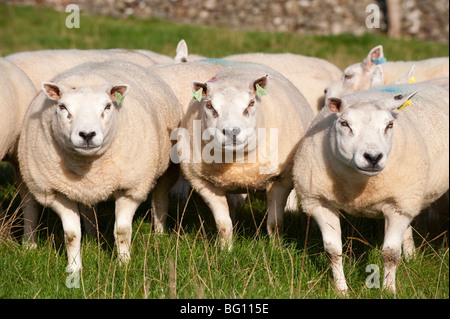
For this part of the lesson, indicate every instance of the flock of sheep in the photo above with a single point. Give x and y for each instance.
(84, 126)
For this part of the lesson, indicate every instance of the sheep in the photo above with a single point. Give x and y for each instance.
(179, 77)
(97, 131)
(310, 75)
(18, 91)
(44, 65)
(356, 77)
(439, 209)
(253, 140)
(182, 54)
(364, 157)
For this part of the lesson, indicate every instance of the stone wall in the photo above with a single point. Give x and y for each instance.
(421, 19)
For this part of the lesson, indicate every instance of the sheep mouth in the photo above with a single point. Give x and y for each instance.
(370, 171)
(87, 149)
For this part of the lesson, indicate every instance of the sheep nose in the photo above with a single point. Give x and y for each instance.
(231, 131)
(373, 159)
(87, 136)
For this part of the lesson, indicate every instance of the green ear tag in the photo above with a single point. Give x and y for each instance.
(198, 95)
(260, 91)
(119, 97)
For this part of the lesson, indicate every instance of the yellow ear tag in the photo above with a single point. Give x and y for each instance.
(407, 103)
(411, 80)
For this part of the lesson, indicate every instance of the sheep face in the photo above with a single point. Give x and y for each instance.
(85, 116)
(356, 77)
(230, 113)
(362, 134)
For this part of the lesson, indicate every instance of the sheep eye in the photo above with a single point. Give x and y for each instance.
(348, 76)
(62, 107)
(390, 125)
(252, 103)
(344, 123)
(209, 105)
(108, 106)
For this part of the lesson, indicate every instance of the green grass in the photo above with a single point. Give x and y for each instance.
(187, 261)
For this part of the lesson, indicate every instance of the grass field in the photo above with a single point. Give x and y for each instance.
(187, 262)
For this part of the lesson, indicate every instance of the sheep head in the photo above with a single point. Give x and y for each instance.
(85, 116)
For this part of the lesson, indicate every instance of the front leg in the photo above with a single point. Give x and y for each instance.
(125, 209)
(216, 200)
(67, 210)
(277, 194)
(328, 221)
(396, 224)
(409, 249)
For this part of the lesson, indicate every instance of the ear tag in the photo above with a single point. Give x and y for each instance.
(412, 80)
(379, 61)
(407, 103)
(119, 97)
(198, 95)
(260, 91)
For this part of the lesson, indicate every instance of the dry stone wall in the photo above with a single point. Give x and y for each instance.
(421, 19)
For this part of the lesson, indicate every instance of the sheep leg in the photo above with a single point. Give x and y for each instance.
(235, 202)
(330, 227)
(125, 209)
(217, 202)
(30, 218)
(408, 244)
(67, 211)
(89, 220)
(396, 224)
(160, 199)
(277, 195)
(30, 209)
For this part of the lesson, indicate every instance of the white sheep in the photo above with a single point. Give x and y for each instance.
(357, 77)
(97, 131)
(18, 91)
(310, 75)
(252, 139)
(45, 64)
(363, 156)
(179, 77)
(182, 54)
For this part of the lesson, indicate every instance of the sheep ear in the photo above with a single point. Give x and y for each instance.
(199, 90)
(52, 90)
(334, 104)
(407, 77)
(118, 92)
(259, 86)
(399, 101)
(374, 57)
(182, 52)
(377, 77)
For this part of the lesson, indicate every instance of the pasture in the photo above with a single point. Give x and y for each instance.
(187, 261)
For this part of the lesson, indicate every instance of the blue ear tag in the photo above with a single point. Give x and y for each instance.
(198, 94)
(379, 61)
